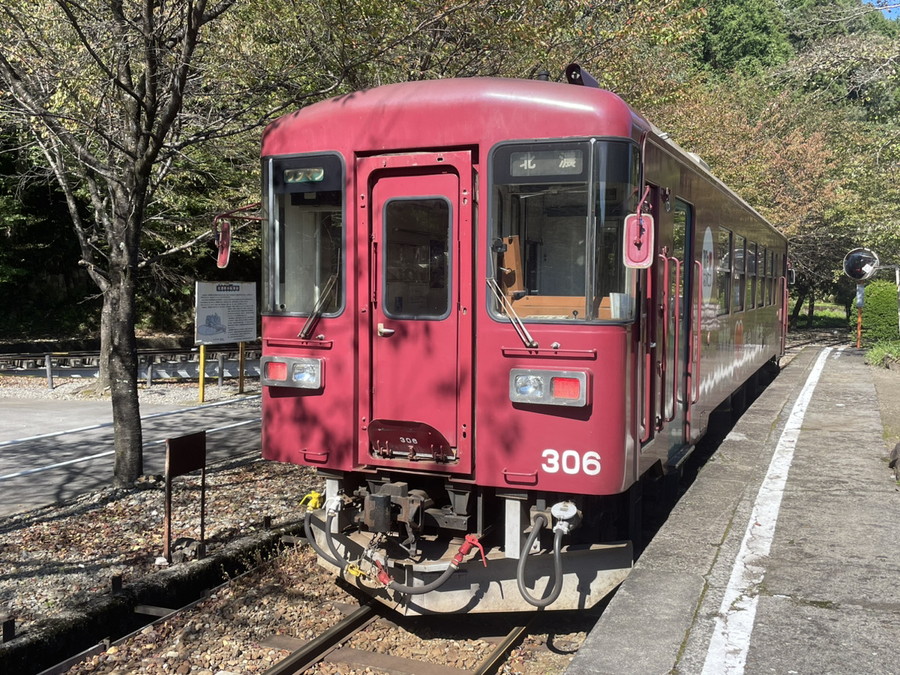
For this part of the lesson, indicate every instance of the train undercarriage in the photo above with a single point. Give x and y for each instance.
(445, 548)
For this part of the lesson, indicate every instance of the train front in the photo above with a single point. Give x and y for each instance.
(450, 338)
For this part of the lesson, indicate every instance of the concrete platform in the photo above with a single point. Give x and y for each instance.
(784, 555)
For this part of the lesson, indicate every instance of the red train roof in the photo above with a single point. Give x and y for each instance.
(452, 112)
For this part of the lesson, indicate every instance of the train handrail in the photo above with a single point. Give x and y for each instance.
(676, 342)
(695, 362)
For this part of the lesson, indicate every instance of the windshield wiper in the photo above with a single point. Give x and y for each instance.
(313, 318)
(511, 314)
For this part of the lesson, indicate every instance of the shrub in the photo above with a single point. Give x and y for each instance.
(880, 313)
(884, 354)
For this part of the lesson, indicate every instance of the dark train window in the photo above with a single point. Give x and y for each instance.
(751, 275)
(761, 273)
(558, 210)
(723, 270)
(416, 258)
(738, 274)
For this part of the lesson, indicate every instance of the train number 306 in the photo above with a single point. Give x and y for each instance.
(571, 462)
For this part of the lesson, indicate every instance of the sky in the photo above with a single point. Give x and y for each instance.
(890, 13)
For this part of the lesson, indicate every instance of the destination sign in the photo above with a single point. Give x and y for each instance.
(546, 163)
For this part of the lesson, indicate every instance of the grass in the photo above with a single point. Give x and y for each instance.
(883, 353)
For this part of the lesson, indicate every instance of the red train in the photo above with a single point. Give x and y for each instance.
(490, 306)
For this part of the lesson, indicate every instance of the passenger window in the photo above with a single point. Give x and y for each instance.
(723, 270)
(751, 275)
(738, 270)
(761, 282)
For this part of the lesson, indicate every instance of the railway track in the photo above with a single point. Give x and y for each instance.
(329, 646)
(286, 616)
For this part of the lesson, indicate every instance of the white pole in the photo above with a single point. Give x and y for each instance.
(897, 279)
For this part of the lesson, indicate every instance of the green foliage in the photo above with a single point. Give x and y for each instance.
(745, 35)
(883, 353)
(880, 313)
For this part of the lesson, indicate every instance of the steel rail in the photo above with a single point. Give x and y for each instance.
(313, 651)
(513, 639)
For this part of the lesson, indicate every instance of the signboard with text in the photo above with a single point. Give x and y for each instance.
(224, 312)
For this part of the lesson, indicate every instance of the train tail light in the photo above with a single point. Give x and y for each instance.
(566, 388)
(549, 387)
(276, 371)
(301, 373)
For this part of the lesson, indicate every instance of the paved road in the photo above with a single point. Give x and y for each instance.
(53, 450)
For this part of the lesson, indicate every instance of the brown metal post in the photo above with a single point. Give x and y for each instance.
(859, 327)
(167, 521)
(185, 454)
(201, 551)
(240, 367)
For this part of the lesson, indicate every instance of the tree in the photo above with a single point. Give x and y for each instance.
(116, 96)
(101, 87)
(745, 36)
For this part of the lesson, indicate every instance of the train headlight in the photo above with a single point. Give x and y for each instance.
(549, 387)
(286, 371)
(529, 387)
(307, 373)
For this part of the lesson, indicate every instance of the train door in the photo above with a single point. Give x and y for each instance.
(417, 405)
(678, 390)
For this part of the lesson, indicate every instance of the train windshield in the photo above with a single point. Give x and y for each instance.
(557, 217)
(304, 237)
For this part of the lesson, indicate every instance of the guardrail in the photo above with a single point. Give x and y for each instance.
(153, 364)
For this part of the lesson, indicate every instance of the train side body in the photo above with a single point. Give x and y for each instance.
(451, 337)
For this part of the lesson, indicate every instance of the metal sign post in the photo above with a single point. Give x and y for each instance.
(860, 264)
(185, 454)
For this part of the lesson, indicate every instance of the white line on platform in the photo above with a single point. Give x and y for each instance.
(109, 424)
(734, 624)
(106, 453)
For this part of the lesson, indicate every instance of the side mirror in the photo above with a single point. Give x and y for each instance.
(638, 240)
(861, 264)
(222, 230)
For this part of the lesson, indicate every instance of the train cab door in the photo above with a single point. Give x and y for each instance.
(416, 403)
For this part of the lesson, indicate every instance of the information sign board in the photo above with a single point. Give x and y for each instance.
(224, 312)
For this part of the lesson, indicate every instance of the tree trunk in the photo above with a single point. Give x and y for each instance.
(810, 311)
(795, 313)
(102, 383)
(118, 304)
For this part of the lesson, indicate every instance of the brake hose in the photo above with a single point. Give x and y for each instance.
(470, 542)
(338, 560)
(539, 522)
